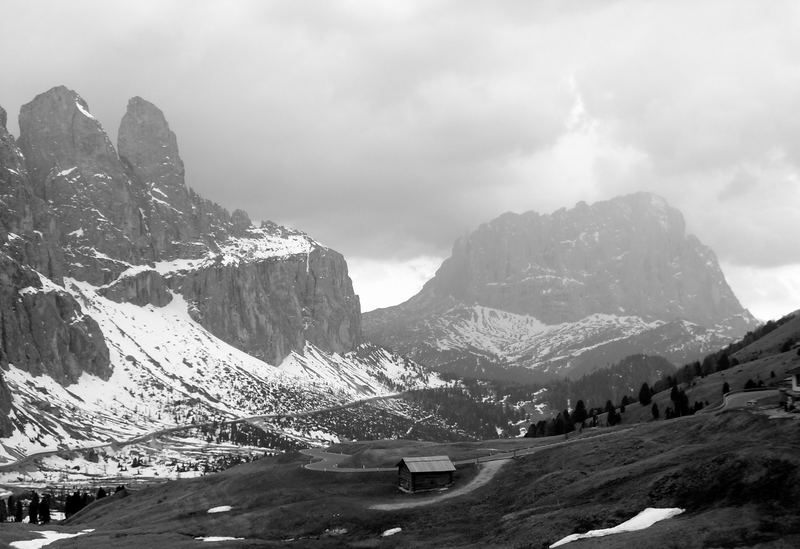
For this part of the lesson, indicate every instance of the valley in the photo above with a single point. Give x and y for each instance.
(172, 373)
(533, 500)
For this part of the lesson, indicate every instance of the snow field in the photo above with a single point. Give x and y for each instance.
(643, 520)
(49, 536)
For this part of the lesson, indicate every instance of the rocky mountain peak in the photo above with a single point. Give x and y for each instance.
(150, 147)
(57, 131)
(73, 167)
(628, 255)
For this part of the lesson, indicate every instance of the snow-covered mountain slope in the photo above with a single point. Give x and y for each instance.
(471, 337)
(169, 370)
(130, 304)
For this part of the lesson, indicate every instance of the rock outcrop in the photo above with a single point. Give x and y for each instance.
(43, 329)
(5, 407)
(140, 286)
(269, 308)
(629, 257)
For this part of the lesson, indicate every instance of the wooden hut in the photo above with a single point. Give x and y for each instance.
(417, 474)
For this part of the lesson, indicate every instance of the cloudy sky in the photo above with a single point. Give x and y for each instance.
(386, 129)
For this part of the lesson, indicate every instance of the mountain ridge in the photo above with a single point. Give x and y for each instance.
(628, 260)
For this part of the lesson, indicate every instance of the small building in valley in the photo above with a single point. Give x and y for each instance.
(418, 474)
(792, 389)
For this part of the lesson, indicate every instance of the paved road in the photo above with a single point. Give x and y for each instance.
(14, 465)
(329, 462)
(739, 399)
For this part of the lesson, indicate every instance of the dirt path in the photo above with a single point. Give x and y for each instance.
(487, 472)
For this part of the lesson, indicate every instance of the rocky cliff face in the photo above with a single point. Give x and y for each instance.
(43, 328)
(5, 408)
(270, 308)
(128, 224)
(629, 257)
(27, 228)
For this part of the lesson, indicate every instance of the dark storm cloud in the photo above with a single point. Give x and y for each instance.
(386, 129)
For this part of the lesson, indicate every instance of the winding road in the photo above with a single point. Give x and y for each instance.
(739, 399)
(329, 462)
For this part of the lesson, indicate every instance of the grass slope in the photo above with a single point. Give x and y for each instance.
(737, 474)
(709, 388)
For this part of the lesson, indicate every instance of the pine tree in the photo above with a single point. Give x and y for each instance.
(101, 493)
(558, 425)
(579, 415)
(18, 511)
(33, 508)
(44, 510)
(726, 388)
(3, 511)
(654, 411)
(645, 395)
(569, 423)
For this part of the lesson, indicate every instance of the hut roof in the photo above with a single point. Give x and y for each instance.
(428, 464)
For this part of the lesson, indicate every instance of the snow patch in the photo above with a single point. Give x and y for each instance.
(208, 539)
(643, 520)
(391, 532)
(50, 536)
(64, 173)
(48, 286)
(86, 113)
(220, 509)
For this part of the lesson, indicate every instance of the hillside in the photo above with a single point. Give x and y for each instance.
(695, 463)
(565, 293)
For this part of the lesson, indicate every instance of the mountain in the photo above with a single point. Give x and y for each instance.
(565, 293)
(129, 303)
